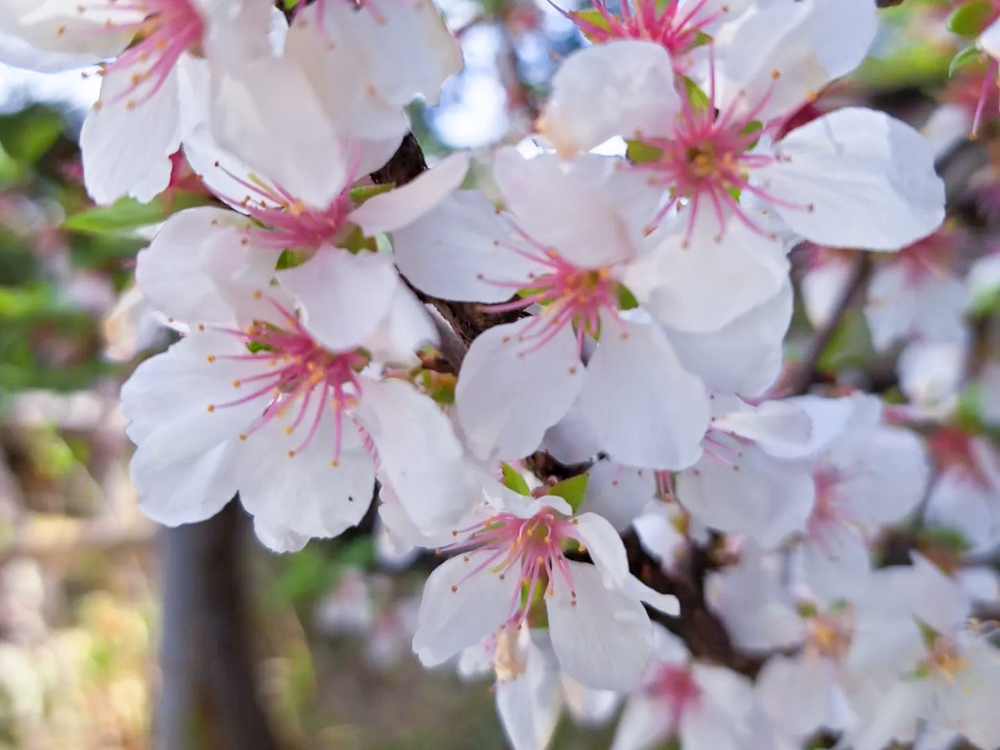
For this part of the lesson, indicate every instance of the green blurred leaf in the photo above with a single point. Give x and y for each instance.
(513, 480)
(572, 490)
(967, 56)
(361, 194)
(969, 19)
(626, 300)
(128, 213)
(590, 21)
(28, 134)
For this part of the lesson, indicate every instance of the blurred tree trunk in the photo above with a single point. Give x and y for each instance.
(208, 697)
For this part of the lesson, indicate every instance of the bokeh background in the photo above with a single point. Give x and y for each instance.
(84, 576)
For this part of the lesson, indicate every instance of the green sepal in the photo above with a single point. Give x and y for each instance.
(969, 19)
(626, 300)
(695, 94)
(289, 259)
(513, 480)
(362, 193)
(572, 490)
(967, 56)
(255, 346)
(639, 152)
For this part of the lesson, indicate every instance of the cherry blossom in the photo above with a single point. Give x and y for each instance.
(515, 558)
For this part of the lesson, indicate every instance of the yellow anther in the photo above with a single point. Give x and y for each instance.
(291, 454)
(210, 357)
(211, 407)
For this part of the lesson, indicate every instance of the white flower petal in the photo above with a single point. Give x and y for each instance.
(618, 493)
(602, 637)
(509, 395)
(647, 410)
(859, 163)
(643, 724)
(457, 611)
(405, 204)
(454, 252)
(419, 454)
(345, 295)
(623, 88)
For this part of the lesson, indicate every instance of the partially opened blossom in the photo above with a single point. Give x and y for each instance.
(571, 233)
(530, 689)
(731, 156)
(149, 94)
(513, 561)
(701, 705)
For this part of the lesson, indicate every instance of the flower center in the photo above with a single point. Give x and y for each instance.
(676, 687)
(651, 20)
(707, 161)
(298, 374)
(567, 294)
(287, 221)
(945, 660)
(531, 548)
(828, 635)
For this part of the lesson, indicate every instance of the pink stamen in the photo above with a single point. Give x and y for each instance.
(569, 295)
(666, 24)
(708, 160)
(168, 30)
(301, 375)
(531, 548)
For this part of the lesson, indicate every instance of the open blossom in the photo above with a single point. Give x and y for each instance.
(514, 560)
(150, 90)
(265, 407)
(569, 237)
(703, 706)
(731, 156)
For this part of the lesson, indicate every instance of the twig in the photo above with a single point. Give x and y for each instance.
(802, 378)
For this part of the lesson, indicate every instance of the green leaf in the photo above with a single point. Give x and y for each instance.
(571, 490)
(626, 300)
(969, 19)
(967, 56)
(289, 259)
(513, 480)
(128, 213)
(27, 135)
(697, 97)
(638, 152)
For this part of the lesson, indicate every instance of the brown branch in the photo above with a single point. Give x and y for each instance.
(805, 373)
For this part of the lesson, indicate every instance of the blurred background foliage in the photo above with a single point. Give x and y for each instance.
(78, 562)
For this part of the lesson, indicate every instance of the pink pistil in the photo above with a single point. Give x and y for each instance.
(168, 29)
(708, 161)
(300, 372)
(531, 548)
(829, 515)
(568, 294)
(675, 686)
(668, 24)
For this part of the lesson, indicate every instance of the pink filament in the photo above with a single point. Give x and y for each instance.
(302, 373)
(531, 548)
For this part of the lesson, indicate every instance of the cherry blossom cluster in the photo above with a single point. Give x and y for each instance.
(632, 263)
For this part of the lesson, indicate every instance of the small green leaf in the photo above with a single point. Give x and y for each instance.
(969, 19)
(571, 490)
(626, 300)
(638, 152)
(128, 213)
(967, 56)
(513, 480)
